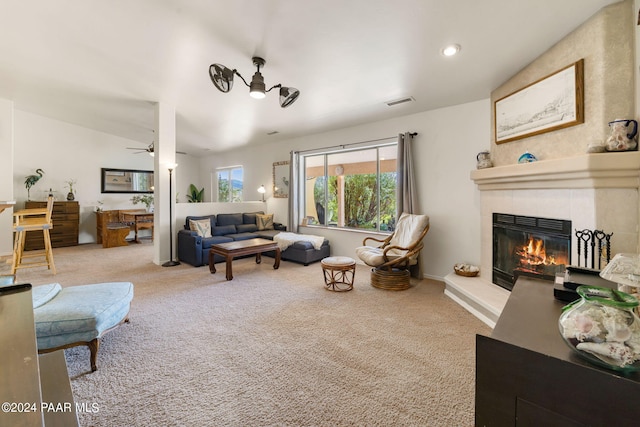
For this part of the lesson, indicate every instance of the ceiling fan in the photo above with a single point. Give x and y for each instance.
(149, 149)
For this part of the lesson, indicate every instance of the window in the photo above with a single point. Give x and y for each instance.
(230, 184)
(352, 189)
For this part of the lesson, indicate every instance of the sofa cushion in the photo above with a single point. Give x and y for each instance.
(44, 293)
(243, 236)
(264, 222)
(206, 243)
(246, 228)
(223, 230)
(211, 218)
(229, 219)
(250, 218)
(201, 226)
(267, 234)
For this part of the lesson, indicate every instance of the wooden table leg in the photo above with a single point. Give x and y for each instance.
(229, 272)
(258, 258)
(276, 263)
(212, 266)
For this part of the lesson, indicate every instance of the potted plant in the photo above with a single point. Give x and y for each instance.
(71, 194)
(195, 195)
(146, 199)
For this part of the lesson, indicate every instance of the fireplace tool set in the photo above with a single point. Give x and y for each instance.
(594, 239)
(591, 244)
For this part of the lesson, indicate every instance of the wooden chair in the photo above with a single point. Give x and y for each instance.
(36, 219)
(395, 254)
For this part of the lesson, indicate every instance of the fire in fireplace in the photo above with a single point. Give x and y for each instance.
(522, 245)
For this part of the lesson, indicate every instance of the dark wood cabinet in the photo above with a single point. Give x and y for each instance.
(66, 224)
(527, 376)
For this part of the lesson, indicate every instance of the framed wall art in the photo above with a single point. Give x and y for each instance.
(281, 179)
(553, 102)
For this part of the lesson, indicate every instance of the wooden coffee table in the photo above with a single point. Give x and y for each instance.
(232, 250)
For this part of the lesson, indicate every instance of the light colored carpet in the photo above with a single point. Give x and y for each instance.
(269, 348)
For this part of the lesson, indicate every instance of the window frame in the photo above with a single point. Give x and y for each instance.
(326, 153)
(229, 172)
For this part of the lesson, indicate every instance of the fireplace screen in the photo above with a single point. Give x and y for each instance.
(538, 247)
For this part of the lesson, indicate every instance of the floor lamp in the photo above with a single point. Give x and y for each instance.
(171, 262)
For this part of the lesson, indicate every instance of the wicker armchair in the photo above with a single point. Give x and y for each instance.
(392, 258)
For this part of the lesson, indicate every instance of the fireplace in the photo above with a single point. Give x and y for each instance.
(523, 245)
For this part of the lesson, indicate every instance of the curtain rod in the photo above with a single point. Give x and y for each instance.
(352, 143)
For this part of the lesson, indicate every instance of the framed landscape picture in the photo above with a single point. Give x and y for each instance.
(551, 103)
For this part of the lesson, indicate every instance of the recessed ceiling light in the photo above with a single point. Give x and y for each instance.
(451, 50)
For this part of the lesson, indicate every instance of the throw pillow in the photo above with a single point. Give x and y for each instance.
(201, 226)
(264, 222)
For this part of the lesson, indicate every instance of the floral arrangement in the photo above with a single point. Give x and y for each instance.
(70, 183)
(146, 199)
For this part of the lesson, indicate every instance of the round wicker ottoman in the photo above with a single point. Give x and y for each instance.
(395, 280)
(339, 272)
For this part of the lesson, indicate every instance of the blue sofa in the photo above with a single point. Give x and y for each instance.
(194, 249)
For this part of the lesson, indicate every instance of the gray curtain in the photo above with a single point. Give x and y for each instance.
(406, 193)
(294, 192)
(406, 196)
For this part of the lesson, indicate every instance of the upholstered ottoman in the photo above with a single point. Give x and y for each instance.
(79, 315)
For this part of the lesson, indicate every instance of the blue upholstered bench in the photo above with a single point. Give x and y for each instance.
(79, 315)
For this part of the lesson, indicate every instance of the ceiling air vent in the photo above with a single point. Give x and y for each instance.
(400, 101)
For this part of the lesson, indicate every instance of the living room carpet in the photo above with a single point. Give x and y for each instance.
(269, 348)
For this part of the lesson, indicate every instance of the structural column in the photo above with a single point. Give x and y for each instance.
(165, 154)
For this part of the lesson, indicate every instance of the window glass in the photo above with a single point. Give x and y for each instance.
(230, 185)
(353, 189)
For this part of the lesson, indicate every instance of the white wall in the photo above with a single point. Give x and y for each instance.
(66, 151)
(6, 175)
(444, 154)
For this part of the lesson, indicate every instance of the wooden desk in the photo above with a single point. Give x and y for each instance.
(108, 221)
(526, 372)
(139, 221)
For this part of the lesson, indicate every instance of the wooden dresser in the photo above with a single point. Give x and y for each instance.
(66, 224)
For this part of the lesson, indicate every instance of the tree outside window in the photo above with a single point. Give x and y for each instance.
(230, 184)
(353, 189)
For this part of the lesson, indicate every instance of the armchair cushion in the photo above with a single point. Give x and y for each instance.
(373, 256)
(408, 230)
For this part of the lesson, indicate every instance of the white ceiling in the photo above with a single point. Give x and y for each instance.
(103, 64)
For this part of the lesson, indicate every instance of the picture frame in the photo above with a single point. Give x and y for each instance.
(548, 104)
(281, 179)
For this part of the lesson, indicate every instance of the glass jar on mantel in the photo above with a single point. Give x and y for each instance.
(603, 328)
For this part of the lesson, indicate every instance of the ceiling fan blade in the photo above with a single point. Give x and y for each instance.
(288, 96)
(221, 76)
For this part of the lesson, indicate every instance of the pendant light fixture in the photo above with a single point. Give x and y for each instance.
(222, 78)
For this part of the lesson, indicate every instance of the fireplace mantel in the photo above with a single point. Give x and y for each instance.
(602, 170)
(594, 191)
